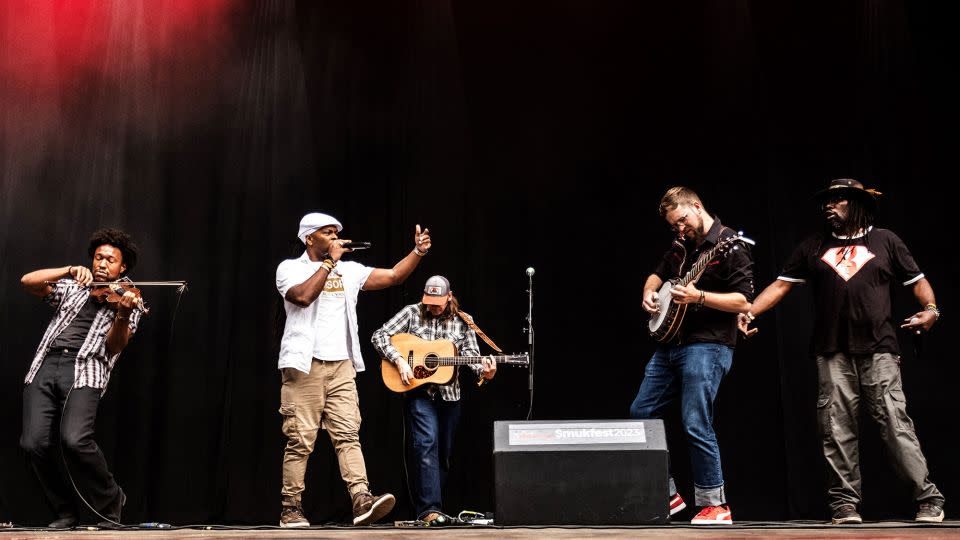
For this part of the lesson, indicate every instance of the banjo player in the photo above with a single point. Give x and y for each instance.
(691, 365)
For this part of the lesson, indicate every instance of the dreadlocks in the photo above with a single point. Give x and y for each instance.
(860, 217)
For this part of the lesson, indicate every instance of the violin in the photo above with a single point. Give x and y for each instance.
(112, 292)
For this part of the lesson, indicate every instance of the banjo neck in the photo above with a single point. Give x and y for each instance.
(701, 264)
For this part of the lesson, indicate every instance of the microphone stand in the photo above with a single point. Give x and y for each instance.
(529, 331)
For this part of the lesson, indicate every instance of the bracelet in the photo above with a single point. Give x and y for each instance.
(933, 308)
(418, 252)
(750, 316)
(703, 297)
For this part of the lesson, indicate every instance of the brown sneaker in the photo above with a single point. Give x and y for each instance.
(291, 517)
(368, 507)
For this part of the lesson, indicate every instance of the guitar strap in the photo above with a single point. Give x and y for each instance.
(469, 320)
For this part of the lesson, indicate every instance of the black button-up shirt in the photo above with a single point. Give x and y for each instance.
(731, 271)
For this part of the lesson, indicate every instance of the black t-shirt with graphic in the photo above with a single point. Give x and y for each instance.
(730, 272)
(851, 281)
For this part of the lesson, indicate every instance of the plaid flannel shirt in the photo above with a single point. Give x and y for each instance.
(93, 366)
(408, 320)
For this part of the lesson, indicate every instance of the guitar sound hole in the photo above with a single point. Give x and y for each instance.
(430, 361)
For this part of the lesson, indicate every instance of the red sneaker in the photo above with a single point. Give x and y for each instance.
(713, 515)
(676, 504)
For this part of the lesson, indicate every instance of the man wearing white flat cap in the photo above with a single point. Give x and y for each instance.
(320, 357)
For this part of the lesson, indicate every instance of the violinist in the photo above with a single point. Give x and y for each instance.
(70, 371)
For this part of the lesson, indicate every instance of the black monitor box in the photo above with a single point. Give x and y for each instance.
(580, 472)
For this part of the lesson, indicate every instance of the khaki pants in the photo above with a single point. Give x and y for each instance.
(326, 398)
(873, 380)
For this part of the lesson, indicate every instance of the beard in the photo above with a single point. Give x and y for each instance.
(840, 225)
(697, 234)
(427, 315)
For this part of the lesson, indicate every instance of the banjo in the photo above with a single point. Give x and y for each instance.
(666, 322)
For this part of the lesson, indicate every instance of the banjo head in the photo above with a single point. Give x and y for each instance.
(664, 300)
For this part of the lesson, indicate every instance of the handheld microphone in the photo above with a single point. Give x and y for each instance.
(357, 246)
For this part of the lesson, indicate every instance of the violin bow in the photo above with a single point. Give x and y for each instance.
(180, 285)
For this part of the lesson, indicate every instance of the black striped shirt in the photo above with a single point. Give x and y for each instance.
(93, 366)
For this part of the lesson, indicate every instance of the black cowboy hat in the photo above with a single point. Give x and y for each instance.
(849, 188)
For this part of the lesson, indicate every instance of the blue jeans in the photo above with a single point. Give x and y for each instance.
(693, 371)
(431, 424)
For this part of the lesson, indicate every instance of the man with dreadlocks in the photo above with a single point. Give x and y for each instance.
(851, 265)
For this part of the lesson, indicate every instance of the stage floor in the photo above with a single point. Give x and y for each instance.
(777, 530)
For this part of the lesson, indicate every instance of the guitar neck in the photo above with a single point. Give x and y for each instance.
(465, 360)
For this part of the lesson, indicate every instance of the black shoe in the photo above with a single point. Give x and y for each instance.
(66, 521)
(113, 511)
(846, 514)
(929, 513)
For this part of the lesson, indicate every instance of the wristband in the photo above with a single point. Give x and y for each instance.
(418, 252)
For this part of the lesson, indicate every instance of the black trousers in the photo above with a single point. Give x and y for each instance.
(43, 413)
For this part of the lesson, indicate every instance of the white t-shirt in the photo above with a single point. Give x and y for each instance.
(330, 339)
(299, 332)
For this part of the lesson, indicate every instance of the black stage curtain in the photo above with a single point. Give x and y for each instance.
(522, 134)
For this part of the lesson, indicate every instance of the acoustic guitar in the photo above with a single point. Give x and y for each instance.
(433, 362)
(666, 322)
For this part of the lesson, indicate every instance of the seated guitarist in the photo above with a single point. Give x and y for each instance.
(431, 412)
(691, 365)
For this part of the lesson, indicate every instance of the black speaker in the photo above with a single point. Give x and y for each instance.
(576, 472)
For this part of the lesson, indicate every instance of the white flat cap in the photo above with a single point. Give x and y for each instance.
(314, 221)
